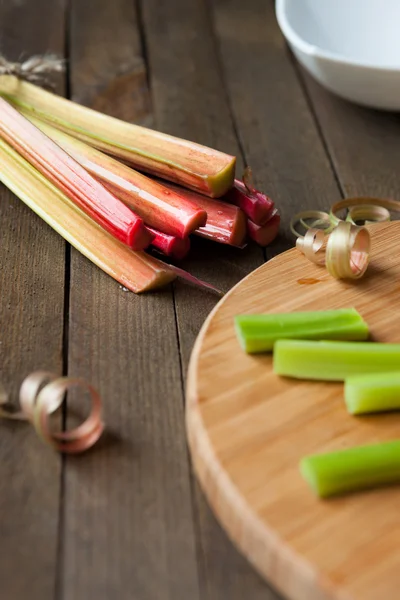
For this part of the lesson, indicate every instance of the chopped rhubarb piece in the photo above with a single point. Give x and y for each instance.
(226, 223)
(256, 205)
(170, 245)
(265, 234)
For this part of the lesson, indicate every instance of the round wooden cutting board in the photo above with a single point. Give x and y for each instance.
(248, 430)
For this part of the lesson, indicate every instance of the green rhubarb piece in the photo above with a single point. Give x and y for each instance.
(373, 392)
(353, 469)
(333, 361)
(258, 333)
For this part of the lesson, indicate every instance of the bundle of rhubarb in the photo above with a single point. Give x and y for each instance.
(115, 190)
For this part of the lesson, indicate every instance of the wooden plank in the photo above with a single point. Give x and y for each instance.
(190, 101)
(273, 119)
(32, 259)
(109, 76)
(278, 136)
(128, 530)
(364, 144)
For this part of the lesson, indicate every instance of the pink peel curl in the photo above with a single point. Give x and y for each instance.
(41, 394)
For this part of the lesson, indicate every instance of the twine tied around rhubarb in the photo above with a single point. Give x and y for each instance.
(35, 69)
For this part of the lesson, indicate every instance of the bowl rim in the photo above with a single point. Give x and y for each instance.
(301, 44)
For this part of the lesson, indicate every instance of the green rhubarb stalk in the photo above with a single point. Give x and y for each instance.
(187, 163)
(333, 361)
(161, 208)
(70, 177)
(353, 469)
(136, 271)
(258, 333)
(373, 392)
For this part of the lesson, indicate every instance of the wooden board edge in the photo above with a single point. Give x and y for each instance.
(274, 560)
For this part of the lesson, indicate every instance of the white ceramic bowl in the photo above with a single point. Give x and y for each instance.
(352, 47)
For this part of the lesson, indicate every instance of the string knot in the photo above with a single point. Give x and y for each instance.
(35, 69)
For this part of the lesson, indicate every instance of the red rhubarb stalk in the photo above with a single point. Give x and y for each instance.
(158, 206)
(226, 223)
(136, 271)
(267, 233)
(68, 176)
(187, 163)
(256, 205)
(170, 245)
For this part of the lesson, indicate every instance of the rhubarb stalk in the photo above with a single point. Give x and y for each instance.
(182, 161)
(166, 210)
(169, 244)
(352, 469)
(257, 206)
(134, 270)
(373, 392)
(265, 234)
(226, 224)
(333, 361)
(66, 174)
(258, 333)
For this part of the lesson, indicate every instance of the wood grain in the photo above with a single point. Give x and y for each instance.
(277, 134)
(127, 521)
(109, 72)
(190, 101)
(276, 128)
(32, 260)
(363, 143)
(248, 429)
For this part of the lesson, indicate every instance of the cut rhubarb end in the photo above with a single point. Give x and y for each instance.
(225, 224)
(256, 205)
(139, 237)
(267, 233)
(166, 156)
(220, 184)
(198, 220)
(158, 206)
(170, 245)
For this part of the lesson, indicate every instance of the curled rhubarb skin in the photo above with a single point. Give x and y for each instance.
(187, 163)
(265, 234)
(226, 224)
(170, 245)
(53, 162)
(136, 271)
(159, 207)
(257, 206)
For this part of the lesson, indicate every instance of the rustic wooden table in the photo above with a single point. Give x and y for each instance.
(128, 520)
